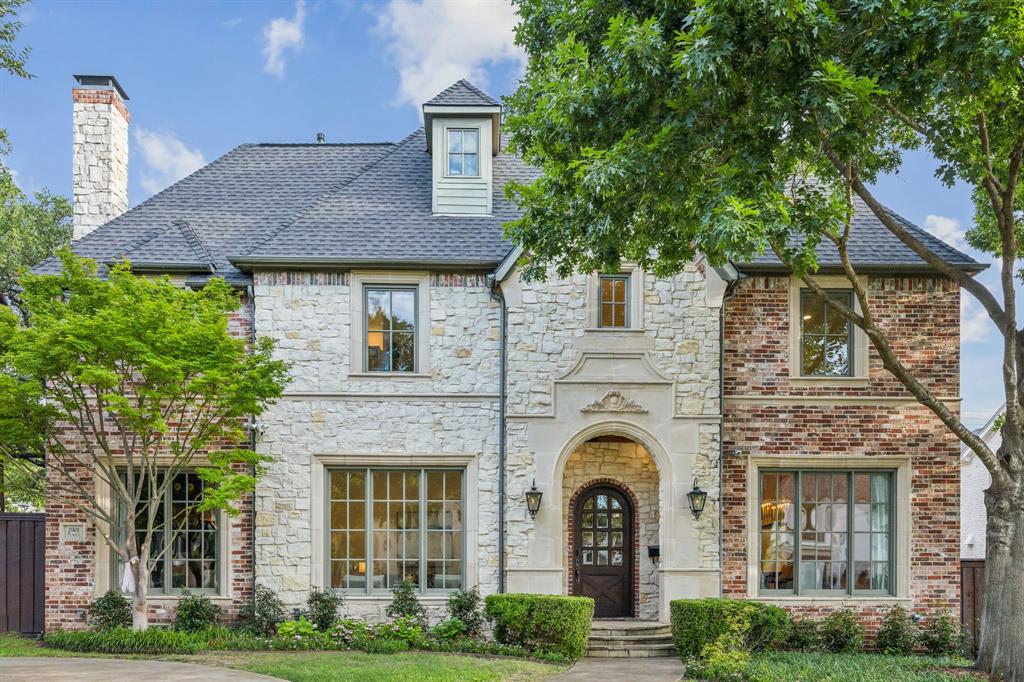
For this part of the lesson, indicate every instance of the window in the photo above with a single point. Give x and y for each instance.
(826, 532)
(390, 525)
(463, 152)
(192, 558)
(826, 339)
(390, 329)
(613, 301)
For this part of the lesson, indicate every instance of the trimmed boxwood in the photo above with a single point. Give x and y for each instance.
(126, 641)
(542, 621)
(699, 622)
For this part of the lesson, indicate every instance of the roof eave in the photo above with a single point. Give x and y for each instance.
(249, 263)
(175, 267)
(462, 111)
(872, 268)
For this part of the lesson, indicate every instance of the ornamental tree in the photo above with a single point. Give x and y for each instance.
(121, 382)
(733, 127)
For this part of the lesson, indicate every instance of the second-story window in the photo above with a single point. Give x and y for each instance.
(613, 301)
(390, 329)
(463, 152)
(826, 339)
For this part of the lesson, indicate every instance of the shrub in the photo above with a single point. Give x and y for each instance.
(699, 622)
(453, 628)
(841, 633)
(299, 635)
(405, 604)
(112, 610)
(897, 634)
(464, 606)
(407, 629)
(943, 635)
(381, 646)
(542, 621)
(220, 638)
(344, 632)
(803, 635)
(124, 641)
(195, 612)
(263, 614)
(322, 606)
(727, 657)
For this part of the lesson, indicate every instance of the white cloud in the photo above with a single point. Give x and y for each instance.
(435, 44)
(280, 35)
(166, 159)
(231, 23)
(946, 229)
(975, 324)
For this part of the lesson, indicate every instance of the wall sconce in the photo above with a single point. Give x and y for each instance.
(697, 498)
(533, 497)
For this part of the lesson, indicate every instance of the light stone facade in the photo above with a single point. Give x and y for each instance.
(100, 158)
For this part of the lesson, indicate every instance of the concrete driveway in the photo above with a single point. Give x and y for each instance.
(109, 669)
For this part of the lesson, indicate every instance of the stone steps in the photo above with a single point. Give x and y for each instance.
(630, 639)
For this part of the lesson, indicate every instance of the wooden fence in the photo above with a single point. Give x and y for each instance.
(972, 597)
(22, 547)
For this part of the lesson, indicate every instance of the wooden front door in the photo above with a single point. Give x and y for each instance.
(603, 548)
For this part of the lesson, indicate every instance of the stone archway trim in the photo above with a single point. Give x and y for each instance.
(635, 609)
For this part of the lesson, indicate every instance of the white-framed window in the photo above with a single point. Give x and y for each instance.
(613, 300)
(462, 149)
(186, 541)
(826, 532)
(391, 329)
(386, 525)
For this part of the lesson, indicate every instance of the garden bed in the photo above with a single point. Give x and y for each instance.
(860, 667)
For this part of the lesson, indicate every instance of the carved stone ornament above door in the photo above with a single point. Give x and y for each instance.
(614, 401)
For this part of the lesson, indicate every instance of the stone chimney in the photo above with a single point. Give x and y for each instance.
(100, 151)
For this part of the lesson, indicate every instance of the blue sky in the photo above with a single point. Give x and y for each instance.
(204, 77)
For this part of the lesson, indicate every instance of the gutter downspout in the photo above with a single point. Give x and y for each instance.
(730, 291)
(497, 295)
(250, 292)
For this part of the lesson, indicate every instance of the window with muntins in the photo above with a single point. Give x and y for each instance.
(463, 152)
(191, 561)
(826, 338)
(390, 329)
(390, 525)
(613, 301)
(826, 533)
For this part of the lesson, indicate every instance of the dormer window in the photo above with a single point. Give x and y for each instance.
(463, 152)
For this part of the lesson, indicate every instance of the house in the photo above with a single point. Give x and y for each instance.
(974, 481)
(434, 388)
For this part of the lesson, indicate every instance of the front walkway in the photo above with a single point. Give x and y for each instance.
(632, 669)
(107, 669)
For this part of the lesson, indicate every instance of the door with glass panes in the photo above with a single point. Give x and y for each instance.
(603, 551)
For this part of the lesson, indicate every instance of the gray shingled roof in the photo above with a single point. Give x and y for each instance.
(873, 246)
(385, 214)
(364, 203)
(462, 93)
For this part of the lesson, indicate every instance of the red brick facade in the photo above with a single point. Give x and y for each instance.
(71, 566)
(768, 415)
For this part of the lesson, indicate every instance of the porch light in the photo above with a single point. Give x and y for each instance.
(533, 500)
(697, 498)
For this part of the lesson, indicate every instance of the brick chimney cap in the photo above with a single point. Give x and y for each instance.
(101, 82)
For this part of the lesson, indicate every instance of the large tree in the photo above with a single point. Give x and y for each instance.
(124, 382)
(733, 127)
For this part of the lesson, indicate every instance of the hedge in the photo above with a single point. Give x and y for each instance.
(542, 621)
(126, 641)
(699, 622)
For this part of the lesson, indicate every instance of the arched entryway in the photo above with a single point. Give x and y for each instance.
(610, 493)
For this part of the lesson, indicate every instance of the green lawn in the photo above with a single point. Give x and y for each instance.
(315, 666)
(777, 666)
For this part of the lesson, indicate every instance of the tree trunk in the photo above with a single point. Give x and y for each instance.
(1001, 642)
(140, 614)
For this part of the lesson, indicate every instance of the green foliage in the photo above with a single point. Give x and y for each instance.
(696, 623)
(299, 635)
(841, 632)
(803, 635)
(453, 628)
(861, 667)
(409, 629)
(381, 646)
(195, 612)
(264, 613)
(125, 641)
(464, 605)
(897, 635)
(542, 621)
(405, 603)
(323, 606)
(943, 635)
(220, 638)
(346, 631)
(12, 59)
(669, 129)
(727, 657)
(110, 611)
(467, 645)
